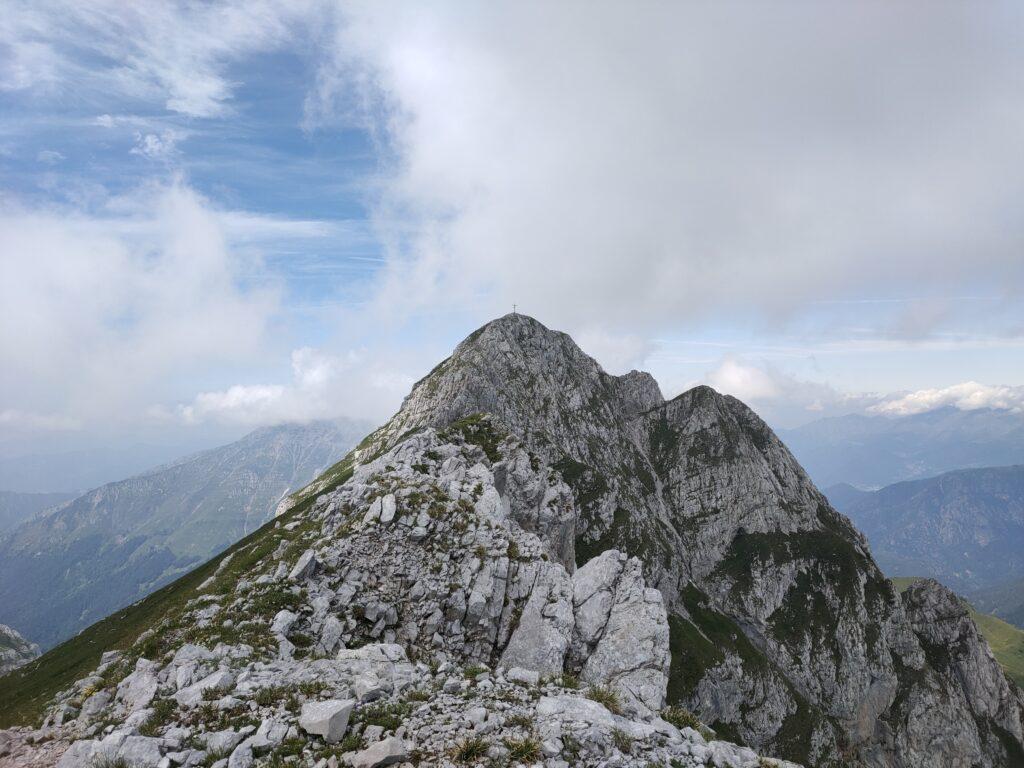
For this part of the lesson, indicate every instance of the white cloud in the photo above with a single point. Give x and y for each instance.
(12, 418)
(746, 382)
(158, 146)
(49, 156)
(176, 51)
(646, 164)
(102, 311)
(781, 397)
(617, 353)
(322, 386)
(968, 396)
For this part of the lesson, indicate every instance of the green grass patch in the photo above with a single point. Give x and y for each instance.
(605, 696)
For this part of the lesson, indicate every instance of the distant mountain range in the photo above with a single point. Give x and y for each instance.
(62, 571)
(76, 471)
(964, 528)
(875, 451)
(16, 508)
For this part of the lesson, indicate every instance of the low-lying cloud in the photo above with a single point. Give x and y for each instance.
(103, 311)
(968, 396)
(322, 386)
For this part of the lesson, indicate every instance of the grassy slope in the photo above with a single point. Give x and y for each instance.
(1007, 641)
(25, 692)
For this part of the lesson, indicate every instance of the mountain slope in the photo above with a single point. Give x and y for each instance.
(964, 528)
(479, 527)
(16, 508)
(111, 546)
(786, 634)
(405, 615)
(875, 451)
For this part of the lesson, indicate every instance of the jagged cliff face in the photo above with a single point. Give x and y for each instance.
(785, 633)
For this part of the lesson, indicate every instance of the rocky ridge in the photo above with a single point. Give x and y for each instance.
(785, 633)
(427, 610)
(570, 562)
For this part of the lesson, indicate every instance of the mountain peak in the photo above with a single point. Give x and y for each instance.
(527, 510)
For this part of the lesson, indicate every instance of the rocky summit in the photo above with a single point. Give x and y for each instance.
(535, 562)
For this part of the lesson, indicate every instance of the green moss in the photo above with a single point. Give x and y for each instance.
(587, 485)
(478, 429)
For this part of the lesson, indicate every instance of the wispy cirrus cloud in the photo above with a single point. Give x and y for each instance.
(178, 52)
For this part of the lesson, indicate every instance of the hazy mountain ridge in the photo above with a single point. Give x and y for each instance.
(16, 507)
(964, 528)
(875, 451)
(115, 544)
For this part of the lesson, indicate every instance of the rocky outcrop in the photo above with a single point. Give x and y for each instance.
(785, 632)
(966, 672)
(407, 612)
(15, 650)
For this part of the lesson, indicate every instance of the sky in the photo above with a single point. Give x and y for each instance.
(220, 215)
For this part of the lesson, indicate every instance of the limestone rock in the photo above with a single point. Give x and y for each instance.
(385, 752)
(326, 718)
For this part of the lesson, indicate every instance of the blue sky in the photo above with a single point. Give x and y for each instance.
(221, 215)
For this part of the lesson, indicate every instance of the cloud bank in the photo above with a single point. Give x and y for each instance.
(968, 396)
(101, 311)
(323, 386)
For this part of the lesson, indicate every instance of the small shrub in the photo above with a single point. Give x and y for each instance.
(311, 688)
(163, 712)
(523, 750)
(519, 721)
(471, 749)
(473, 670)
(300, 639)
(387, 716)
(269, 696)
(567, 680)
(604, 695)
(571, 748)
(622, 741)
(109, 762)
(680, 717)
(351, 743)
(214, 756)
